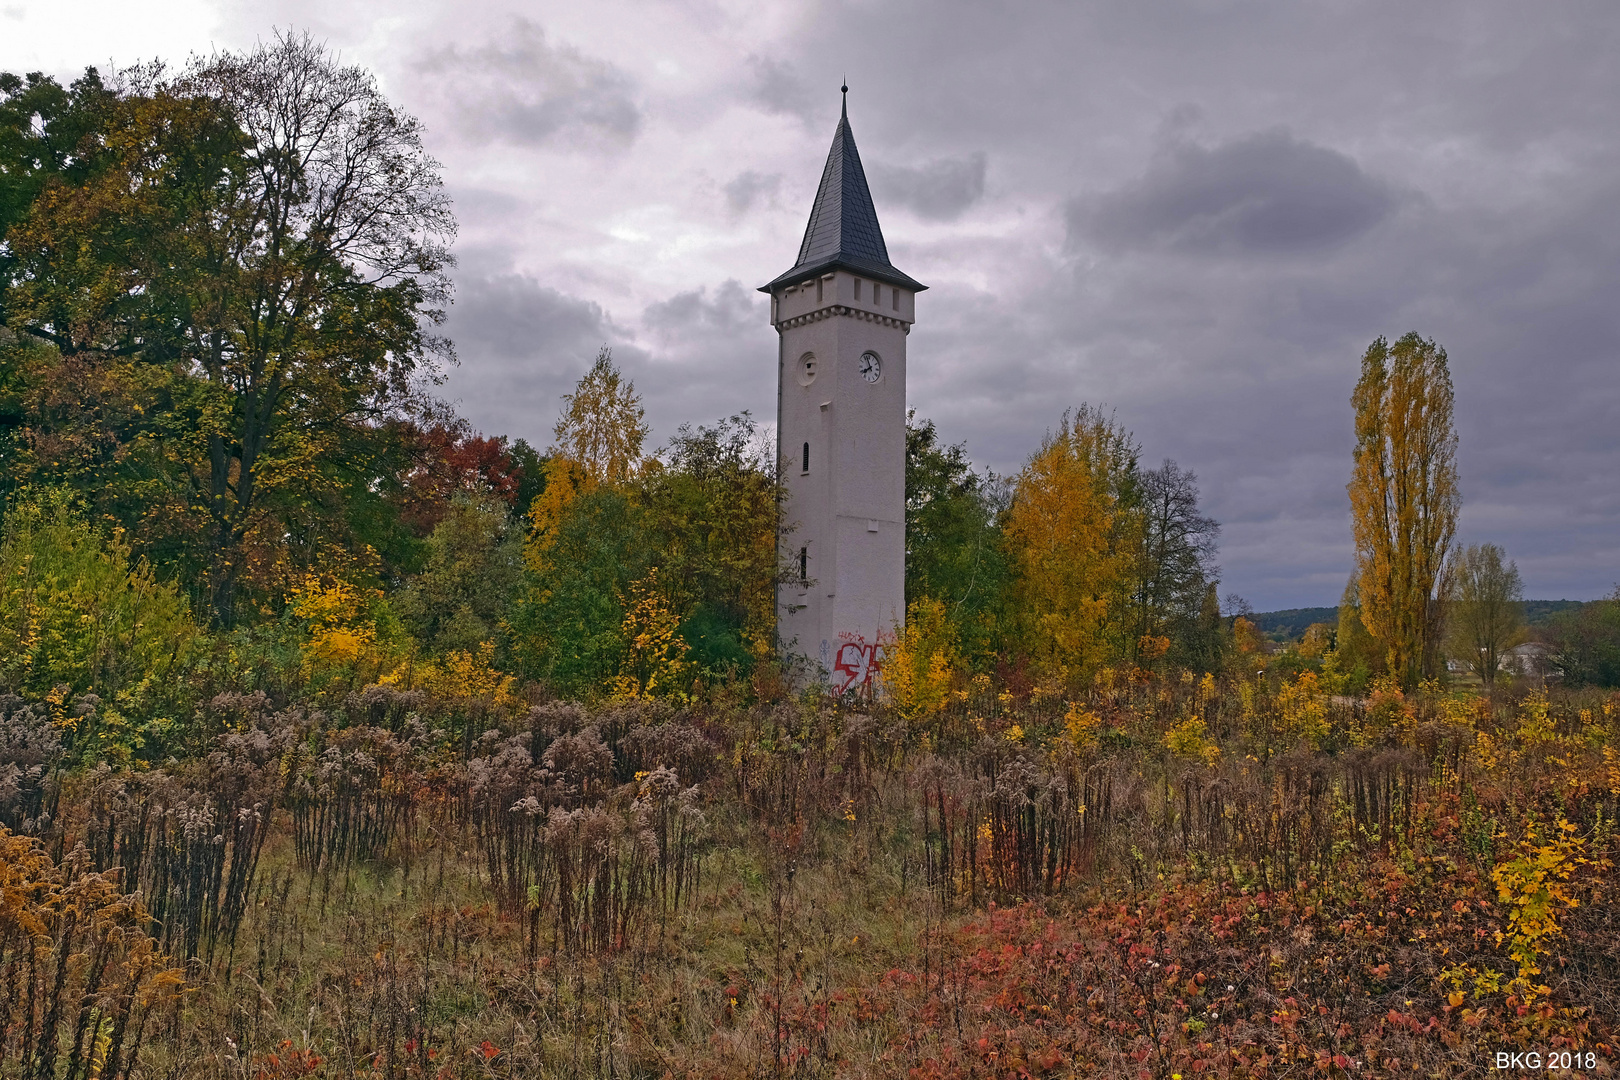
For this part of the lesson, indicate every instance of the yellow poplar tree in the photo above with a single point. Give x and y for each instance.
(1404, 498)
(1068, 533)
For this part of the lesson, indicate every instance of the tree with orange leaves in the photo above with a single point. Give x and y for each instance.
(1404, 499)
(1070, 533)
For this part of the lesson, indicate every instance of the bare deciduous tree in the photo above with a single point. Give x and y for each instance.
(1175, 555)
(1485, 615)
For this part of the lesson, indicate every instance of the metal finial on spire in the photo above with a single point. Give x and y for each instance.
(845, 90)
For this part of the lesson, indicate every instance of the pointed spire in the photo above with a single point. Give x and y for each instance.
(843, 228)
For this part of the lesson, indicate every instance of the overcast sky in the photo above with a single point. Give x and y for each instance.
(1196, 214)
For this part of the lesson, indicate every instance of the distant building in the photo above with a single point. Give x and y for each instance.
(1532, 660)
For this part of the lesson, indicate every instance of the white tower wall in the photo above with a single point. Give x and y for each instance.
(847, 511)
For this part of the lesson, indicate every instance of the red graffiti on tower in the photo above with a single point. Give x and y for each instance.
(855, 663)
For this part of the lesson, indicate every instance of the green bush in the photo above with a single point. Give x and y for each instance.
(75, 611)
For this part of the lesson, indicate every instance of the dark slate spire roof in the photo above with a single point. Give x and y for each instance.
(843, 230)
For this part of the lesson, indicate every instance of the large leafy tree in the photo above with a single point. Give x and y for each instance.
(471, 570)
(96, 183)
(710, 512)
(1404, 498)
(271, 231)
(566, 625)
(1585, 642)
(587, 542)
(1071, 533)
(954, 554)
(602, 427)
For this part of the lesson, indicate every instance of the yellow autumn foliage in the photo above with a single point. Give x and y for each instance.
(655, 664)
(602, 427)
(1403, 498)
(566, 481)
(469, 678)
(1081, 726)
(348, 637)
(1068, 533)
(1303, 706)
(1190, 739)
(1535, 884)
(919, 665)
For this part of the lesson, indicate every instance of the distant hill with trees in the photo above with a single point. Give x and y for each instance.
(1289, 623)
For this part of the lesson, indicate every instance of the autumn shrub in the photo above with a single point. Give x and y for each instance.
(655, 662)
(347, 636)
(919, 665)
(85, 983)
(1303, 706)
(30, 758)
(462, 691)
(1190, 739)
(1535, 884)
(77, 610)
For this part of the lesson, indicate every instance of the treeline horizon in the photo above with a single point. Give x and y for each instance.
(1296, 620)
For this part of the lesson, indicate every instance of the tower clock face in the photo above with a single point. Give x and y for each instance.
(870, 367)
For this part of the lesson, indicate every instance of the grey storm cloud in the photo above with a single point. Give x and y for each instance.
(732, 309)
(776, 86)
(1266, 193)
(748, 189)
(521, 88)
(940, 190)
(512, 316)
(1211, 273)
(521, 345)
(712, 355)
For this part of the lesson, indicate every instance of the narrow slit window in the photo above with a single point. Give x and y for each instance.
(804, 564)
(897, 299)
(818, 290)
(857, 288)
(806, 466)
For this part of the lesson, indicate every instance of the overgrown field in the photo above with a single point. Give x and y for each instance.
(1165, 878)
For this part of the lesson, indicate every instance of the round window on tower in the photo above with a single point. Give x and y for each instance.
(807, 369)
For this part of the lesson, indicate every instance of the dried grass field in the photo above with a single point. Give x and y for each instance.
(1164, 879)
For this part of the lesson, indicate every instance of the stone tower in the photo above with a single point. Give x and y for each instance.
(842, 315)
